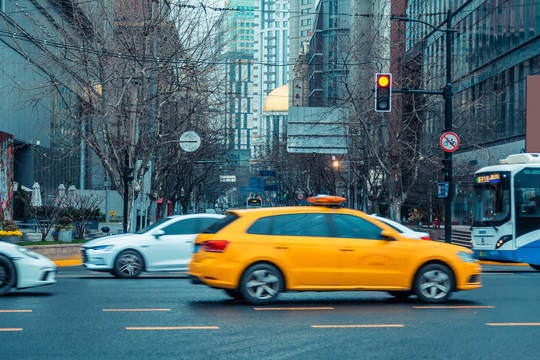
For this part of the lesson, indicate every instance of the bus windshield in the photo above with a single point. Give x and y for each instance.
(527, 194)
(491, 199)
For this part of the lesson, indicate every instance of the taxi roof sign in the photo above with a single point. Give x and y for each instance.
(326, 200)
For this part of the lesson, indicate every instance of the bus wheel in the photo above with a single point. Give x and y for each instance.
(535, 267)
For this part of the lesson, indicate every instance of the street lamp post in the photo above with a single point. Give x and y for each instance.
(447, 93)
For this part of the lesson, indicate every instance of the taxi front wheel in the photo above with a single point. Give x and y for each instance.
(433, 283)
(261, 284)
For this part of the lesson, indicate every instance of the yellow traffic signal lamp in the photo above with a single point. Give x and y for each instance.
(383, 93)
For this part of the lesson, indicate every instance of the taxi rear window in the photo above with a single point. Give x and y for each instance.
(220, 224)
(314, 225)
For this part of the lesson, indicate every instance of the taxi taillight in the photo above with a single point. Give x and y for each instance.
(425, 238)
(217, 246)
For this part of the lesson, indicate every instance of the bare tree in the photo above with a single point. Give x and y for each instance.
(45, 216)
(83, 208)
(118, 78)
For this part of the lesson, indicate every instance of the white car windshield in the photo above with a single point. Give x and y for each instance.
(152, 226)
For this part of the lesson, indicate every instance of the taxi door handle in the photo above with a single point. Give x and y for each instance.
(281, 247)
(346, 249)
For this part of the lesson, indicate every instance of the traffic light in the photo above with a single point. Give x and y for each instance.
(383, 93)
(447, 167)
(335, 162)
(128, 175)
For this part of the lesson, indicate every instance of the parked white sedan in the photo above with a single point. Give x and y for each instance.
(166, 245)
(21, 268)
(404, 230)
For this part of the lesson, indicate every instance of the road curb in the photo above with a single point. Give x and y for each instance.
(71, 262)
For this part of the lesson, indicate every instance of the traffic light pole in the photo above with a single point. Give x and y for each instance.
(126, 193)
(447, 94)
(448, 128)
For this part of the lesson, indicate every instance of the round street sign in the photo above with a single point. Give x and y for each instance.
(300, 196)
(449, 141)
(190, 141)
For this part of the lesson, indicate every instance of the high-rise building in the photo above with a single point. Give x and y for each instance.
(301, 22)
(494, 51)
(271, 57)
(238, 29)
(495, 48)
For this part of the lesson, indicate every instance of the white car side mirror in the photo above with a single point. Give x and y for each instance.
(158, 233)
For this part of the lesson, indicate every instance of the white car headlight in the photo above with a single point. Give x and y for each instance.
(100, 248)
(466, 256)
(28, 253)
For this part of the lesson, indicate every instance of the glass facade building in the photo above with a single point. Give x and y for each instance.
(496, 46)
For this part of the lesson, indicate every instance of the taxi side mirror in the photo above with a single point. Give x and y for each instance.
(158, 233)
(389, 235)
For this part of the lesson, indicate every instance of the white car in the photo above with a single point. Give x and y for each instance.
(166, 245)
(21, 268)
(404, 230)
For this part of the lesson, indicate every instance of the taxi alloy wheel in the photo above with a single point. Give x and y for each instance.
(434, 283)
(7, 275)
(128, 265)
(261, 284)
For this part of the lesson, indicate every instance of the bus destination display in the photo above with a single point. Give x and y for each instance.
(491, 178)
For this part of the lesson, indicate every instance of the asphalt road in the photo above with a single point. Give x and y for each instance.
(88, 315)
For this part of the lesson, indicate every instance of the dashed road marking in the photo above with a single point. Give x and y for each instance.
(513, 324)
(10, 329)
(358, 326)
(454, 307)
(295, 308)
(174, 328)
(136, 309)
(15, 311)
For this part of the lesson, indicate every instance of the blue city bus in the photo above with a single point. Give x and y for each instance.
(506, 211)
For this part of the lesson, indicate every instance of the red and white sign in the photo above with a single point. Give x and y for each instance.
(449, 141)
(300, 196)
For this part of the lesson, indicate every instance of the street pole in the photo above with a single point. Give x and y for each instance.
(448, 128)
(126, 194)
(447, 95)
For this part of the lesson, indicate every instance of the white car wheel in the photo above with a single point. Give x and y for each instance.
(8, 275)
(128, 264)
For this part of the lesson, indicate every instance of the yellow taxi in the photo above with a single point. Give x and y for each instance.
(256, 254)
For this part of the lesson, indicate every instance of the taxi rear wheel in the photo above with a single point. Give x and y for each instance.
(433, 283)
(7, 275)
(261, 284)
(128, 264)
